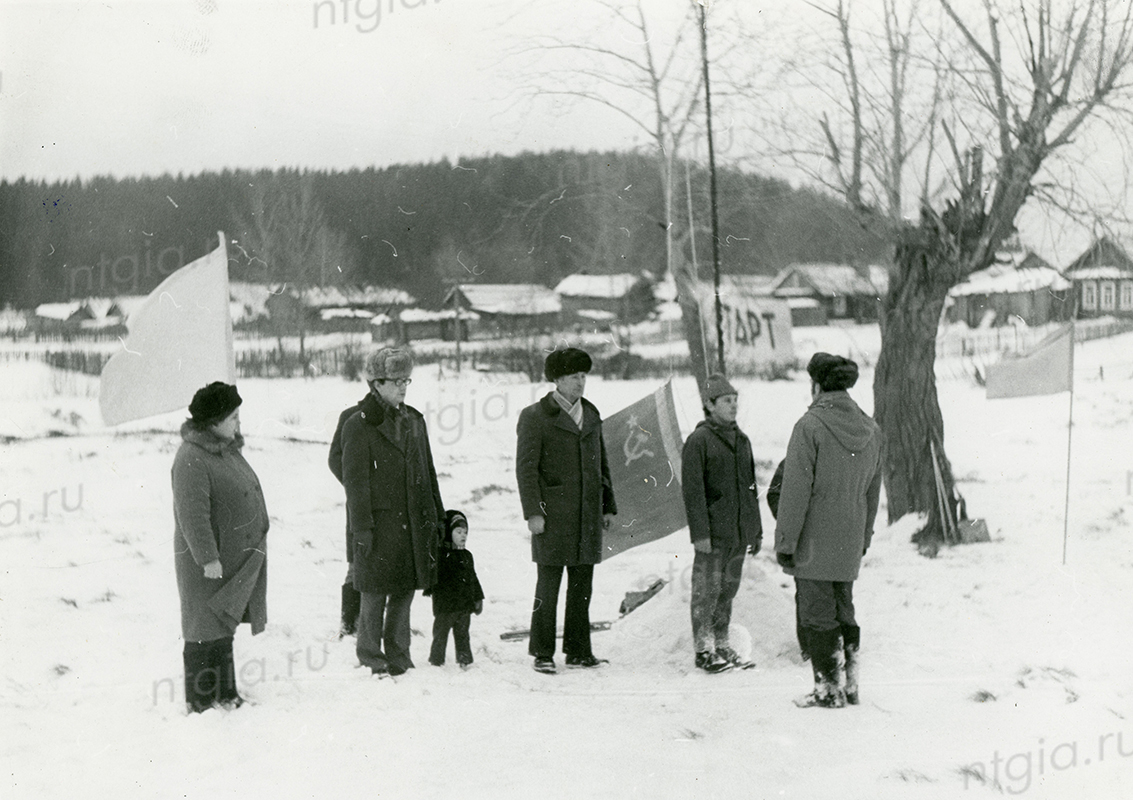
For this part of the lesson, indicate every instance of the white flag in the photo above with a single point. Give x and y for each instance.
(1048, 368)
(179, 340)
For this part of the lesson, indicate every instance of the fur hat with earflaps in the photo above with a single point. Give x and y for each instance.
(832, 373)
(389, 363)
(567, 361)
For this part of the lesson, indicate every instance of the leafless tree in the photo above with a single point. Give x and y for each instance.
(285, 231)
(658, 87)
(1013, 89)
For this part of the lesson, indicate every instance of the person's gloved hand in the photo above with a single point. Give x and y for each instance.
(754, 549)
(479, 606)
(702, 546)
(786, 560)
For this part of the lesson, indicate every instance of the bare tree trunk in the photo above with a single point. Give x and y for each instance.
(690, 321)
(904, 385)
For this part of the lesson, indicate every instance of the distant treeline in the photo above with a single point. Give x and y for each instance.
(535, 217)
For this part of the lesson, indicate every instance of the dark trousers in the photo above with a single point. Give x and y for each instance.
(715, 582)
(825, 613)
(210, 674)
(544, 613)
(458, 622)
(384, 620)
(825, 605)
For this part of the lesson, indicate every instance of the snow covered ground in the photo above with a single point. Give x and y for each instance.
(990, 663)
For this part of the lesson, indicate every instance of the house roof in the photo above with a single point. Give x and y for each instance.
(59, 311)
(1101, 273)
(746, 284)
(422, 315)
(509, 298)
(828, 280)
(1007, 279)
(12, 321)
(610, 287)
(1103, 253)
(345, 313)
(347, 296)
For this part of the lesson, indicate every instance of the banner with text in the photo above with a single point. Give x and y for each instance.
(757, 329)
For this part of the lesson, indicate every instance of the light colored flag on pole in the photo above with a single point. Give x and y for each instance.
(1048, 368)
(179, 340)
(643, 447)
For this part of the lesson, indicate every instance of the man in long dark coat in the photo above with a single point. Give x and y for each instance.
(722, 506)
(831, 484)
(351, 598)
(568, 501)
(393, 509)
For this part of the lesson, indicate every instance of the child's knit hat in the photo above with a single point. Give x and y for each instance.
(453, 519)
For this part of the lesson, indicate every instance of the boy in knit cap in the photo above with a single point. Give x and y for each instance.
(722, 505)
(457, 594)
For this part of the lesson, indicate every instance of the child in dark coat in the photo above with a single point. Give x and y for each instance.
(456, 595)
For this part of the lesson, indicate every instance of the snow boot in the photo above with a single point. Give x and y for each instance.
(202, 680)
(225, 666)
(851, 642)
(545, 665)
(825, 649)
(712, 663)
(351, 606)
(732, 657)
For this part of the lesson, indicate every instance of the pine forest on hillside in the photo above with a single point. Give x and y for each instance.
(536, 217)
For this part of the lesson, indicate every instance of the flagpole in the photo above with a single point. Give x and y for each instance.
(1069, 435)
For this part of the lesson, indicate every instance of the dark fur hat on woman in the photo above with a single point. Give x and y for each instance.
(568, 361)
(213, 403)
(832, 373)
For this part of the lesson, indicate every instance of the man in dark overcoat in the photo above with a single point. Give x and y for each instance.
(393, 510)
(351, 598)
(568, 501)
(827, 507)
(722, 506)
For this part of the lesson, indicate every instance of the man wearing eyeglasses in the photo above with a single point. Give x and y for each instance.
(393, 510)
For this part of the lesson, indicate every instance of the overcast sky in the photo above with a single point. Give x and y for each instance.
(180, 86)
(185, 85)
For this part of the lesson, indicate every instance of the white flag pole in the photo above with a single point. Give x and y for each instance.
(1069, 434)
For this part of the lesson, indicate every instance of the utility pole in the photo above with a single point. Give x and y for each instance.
(712, 190)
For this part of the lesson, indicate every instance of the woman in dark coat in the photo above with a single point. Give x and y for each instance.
(568, 500)
(219, 540)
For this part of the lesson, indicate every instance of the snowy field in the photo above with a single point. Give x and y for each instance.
(990, 669)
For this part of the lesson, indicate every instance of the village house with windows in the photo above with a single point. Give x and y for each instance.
(605, 299)
(1020, 286)
(841, 291)
(507, 308)
(1103, 281)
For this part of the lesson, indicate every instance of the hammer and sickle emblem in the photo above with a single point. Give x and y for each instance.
(636, 439)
